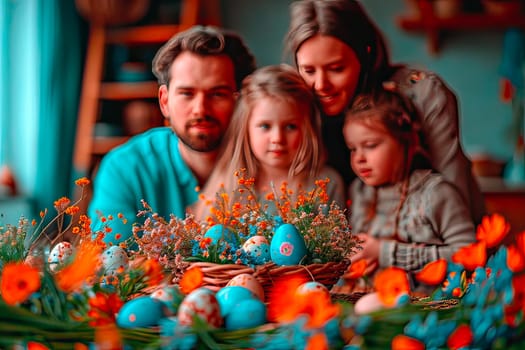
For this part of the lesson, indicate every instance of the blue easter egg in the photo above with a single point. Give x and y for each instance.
(219, 232)
(229, 296)
(287, 246)
(140, 312)
(247, 313)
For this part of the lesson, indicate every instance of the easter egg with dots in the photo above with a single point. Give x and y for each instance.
(258, 249)
(229, 296)
(170, 296)
(287, 246)
(220, 232)
(59, 255)
(114, 260)
(203, 304)
(249, 282)
(246, 314)
(309, 288)
(142, 311)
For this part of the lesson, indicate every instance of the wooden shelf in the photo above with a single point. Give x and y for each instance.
(433, 26)
(128, 91)
(102, 144)
(143, 35)
(462, 22)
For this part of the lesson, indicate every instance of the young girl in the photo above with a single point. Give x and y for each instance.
(405, 214)
(275, 135)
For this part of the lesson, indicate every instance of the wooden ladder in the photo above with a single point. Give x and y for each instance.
(90, 148)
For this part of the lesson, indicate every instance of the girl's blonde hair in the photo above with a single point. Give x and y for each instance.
(280, 82)
(395, 114)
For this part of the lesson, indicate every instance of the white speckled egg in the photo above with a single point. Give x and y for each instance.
(142, 311)
(59, 255)
(247, 313)
(287, 246)
(114, 259)
(203, 304)
(258, 249)
(249, 282)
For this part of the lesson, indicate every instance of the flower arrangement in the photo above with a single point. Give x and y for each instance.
(90, 296)
(478, 303)
(42, 298)
(241, 230)
(240, 216)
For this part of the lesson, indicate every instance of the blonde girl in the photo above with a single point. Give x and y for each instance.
(275, 135)
(405, 214)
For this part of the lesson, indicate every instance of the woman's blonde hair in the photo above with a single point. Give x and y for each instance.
(280, 82)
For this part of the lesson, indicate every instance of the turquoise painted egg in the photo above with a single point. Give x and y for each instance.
(59, 255)
(203, 304)
(258, 249)
(249, 282)
(142, 311)
(247, 313)
(114, 260)
(229, 296)
(287, 246)
(218, 232)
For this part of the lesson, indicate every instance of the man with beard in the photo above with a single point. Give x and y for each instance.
(199, 73)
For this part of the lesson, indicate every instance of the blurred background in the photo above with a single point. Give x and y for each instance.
(57, 56)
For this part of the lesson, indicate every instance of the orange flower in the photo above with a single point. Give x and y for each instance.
(282, 292)
(83, 181)
(433, 273)
(61, 204)
(390, 283)
(108, 337)
(153, 270)
(82, 268)
(287, 305)
(515, 259)
(356, 270)
(460, 338)
(191, 280)
(317, 341)
(31, 345)
(19, 281)
(103, 308)
(403, 342)
(492, 230)
(471, 256)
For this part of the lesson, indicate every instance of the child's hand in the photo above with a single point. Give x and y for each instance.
(369, 252)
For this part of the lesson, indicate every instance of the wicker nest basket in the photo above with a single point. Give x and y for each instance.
(327, 274)
(217, 276)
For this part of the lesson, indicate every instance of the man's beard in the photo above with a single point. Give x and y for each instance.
(201, 141)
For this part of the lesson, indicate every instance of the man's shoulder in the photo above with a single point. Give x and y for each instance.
(160, 138)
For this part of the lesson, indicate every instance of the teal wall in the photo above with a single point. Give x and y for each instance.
(468, 61)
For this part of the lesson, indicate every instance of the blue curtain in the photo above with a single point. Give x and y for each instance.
(40, 72)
